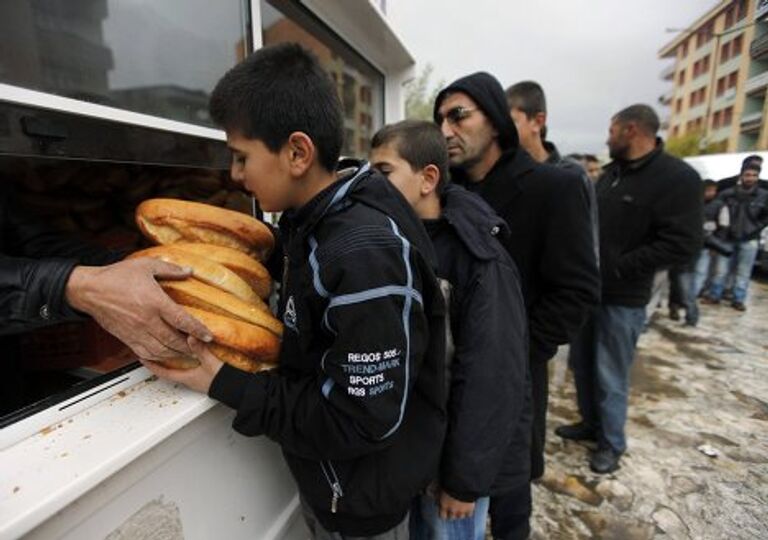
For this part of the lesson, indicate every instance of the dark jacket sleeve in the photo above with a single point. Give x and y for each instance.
(355, 402)
(676, 230)
(35, 265)
(569, 275)
(488, 382)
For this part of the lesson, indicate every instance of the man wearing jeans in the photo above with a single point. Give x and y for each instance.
(650, 209)
(747, 205)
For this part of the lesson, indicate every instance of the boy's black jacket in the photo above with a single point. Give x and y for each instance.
(358, 402)
(487, 445)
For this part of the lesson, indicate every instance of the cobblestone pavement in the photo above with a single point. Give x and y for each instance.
(694, 390)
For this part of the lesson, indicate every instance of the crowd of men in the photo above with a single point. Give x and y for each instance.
(460, 259)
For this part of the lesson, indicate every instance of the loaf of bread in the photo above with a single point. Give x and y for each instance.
(167, 221)
(193, 293)
(248, 268)
(243, 345)
(205, 270)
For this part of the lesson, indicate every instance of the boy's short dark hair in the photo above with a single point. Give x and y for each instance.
(276, 91)
(592, 158)
(709, 183)
(419, 143)
(528, 96)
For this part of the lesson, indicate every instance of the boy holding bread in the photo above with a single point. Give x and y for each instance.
(358, 400)
(489, 410)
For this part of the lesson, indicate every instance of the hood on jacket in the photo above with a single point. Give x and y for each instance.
(475, 222)
(487, 92)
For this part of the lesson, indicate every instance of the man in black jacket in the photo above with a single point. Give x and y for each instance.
(489, 411)
(747, 205)
(358, 401)
(547, 211)
(650, 209)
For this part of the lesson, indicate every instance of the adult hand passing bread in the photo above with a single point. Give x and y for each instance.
(127, 301)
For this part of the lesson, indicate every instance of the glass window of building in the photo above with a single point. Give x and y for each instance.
(159, 58)
(360, 85)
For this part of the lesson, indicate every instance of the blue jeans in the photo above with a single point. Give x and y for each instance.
(687, 284)
(601, 357)
(701, 271)
(426, 523)
(745, 254)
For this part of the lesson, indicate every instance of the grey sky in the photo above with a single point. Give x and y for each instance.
(592, 57)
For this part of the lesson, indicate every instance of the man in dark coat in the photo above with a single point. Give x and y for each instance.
(547, 210)
(650, 209)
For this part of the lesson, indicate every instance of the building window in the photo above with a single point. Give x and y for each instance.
(360, 86)
(727, 116)
(681, 77)
(675, 131)
(733, 79)
(730, 17)
(716, 120)
(679, 105)
(742, 9)
(736, 45)
(725, 52)
(720, 86)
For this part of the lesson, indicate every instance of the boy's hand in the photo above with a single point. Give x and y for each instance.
(199, 378)
(451, 508)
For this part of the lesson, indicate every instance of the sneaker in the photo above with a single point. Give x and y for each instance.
(674, 314)
(604, 460)
(577, 432)
(739, 306)
(709, 300)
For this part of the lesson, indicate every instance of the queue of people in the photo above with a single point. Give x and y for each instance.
(459, 259)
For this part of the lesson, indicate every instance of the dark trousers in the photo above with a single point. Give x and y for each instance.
(510, 514)
(540, 395)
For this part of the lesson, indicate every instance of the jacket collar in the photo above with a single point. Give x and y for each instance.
(475, 223)
(503, 182)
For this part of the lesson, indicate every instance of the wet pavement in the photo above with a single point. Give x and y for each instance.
(697, 462)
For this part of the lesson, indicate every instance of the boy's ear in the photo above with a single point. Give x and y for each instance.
(300, 152)
(431, 177)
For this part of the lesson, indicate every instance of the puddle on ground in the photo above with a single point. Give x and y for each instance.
(646, 380)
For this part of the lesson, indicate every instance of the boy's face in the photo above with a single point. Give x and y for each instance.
(261, 172)
(387, 161)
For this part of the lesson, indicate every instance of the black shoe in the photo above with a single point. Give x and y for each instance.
(577, 432)
(604, 460)
(739, 306)
(674, 314)
(709, 300)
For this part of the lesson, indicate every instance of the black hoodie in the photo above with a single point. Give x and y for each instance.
(358, 402)
(551, 240)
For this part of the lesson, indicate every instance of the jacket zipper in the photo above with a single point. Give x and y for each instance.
(333, 482)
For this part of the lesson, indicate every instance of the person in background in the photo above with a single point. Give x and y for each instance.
(489, 409)
(732, 181)
(594, 168)
(747, 205)
(548, 213)
(650, 210)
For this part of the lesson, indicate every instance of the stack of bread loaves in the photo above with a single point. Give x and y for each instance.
(228, 285)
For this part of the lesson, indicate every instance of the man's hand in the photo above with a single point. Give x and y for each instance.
(126, 300)
(199, 378)
(451, 508)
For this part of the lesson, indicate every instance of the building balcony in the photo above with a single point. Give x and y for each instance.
(758, 49)
(697, 111)
(666, 97)
(720, 134)
(761, 10)
(756, 84)
(668, 73)
(751, 122)
(724, 100)
(729, 66)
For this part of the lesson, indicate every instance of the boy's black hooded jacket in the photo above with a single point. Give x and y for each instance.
(358, 401)
(487, 446)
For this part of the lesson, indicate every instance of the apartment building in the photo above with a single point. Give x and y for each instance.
(719, 76)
